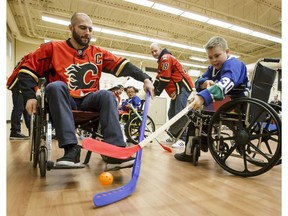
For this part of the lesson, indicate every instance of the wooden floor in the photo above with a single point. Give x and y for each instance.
(166, 187)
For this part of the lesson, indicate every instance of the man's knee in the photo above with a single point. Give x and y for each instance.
(56, 88)
(107, 96)
(55, 85)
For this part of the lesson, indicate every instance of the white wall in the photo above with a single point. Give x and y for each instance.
(10, 63)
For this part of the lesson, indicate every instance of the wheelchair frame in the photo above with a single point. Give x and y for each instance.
(131, 125)
(243, 135)
(41, 133)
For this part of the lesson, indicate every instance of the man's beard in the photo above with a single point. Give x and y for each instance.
(78, 39)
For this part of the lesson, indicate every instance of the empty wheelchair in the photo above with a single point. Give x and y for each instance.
(243, 134)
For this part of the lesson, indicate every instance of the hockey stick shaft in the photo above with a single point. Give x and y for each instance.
(138, 115)
(112, 196)
(122, 153)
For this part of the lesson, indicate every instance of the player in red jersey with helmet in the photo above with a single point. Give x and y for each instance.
(73, 69)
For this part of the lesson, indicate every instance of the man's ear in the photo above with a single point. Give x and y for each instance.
(70, 27)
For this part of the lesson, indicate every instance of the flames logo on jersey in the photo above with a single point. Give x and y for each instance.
(82, 76)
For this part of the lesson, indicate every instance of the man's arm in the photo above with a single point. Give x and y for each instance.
(131, 70)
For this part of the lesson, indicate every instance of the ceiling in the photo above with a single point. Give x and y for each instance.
(24, 21)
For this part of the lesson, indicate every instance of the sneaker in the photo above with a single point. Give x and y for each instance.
(180, 143)
(116, 164)
(168, 141)
(18, 136)
(183, 157)
(71, 157)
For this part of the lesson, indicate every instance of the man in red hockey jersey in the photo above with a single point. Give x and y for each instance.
(176, 82)
(73, 69)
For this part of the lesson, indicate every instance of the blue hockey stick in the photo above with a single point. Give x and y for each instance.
(112, 196)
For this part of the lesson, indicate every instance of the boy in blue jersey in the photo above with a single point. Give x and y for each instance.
(224, 74)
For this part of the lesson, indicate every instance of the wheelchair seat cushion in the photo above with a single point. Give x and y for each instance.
(83, 116)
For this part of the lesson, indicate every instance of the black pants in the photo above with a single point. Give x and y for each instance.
(17, 112)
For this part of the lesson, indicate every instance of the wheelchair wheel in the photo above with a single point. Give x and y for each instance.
(36, 140)
(42, 161)
(248, 140)
(195, 153)
(132, 128)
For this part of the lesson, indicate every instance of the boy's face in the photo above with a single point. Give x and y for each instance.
(217, 56)
(130, 92)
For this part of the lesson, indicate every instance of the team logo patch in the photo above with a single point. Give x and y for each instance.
(82, 76)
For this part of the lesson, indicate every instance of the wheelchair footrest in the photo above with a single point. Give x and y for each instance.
(69, 167)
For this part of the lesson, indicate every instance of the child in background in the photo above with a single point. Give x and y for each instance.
(133, 99)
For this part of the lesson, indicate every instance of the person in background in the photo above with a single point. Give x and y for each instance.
(224, 73)
(117, 91)
(276, 101)
(132, 99)
(18, 109)
(73, 69)
(176, 82)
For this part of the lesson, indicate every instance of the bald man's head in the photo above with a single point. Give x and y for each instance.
(155, 49)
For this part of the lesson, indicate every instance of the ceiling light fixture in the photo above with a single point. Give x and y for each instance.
(167, 9)
(55, 20)
(141, 2)
(219, 23)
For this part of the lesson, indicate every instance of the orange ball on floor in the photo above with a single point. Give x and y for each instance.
(106, 178)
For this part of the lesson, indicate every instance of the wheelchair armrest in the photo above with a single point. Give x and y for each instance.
(41, 82)
(239, 88)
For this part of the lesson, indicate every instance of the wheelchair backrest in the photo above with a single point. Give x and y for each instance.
(261, 84)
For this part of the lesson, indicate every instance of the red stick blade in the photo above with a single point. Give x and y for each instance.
(166, 148)
(108, 149)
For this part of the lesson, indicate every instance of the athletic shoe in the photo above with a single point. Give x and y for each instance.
(116, 164)
(183, 157)
(180, 143)
(71, 157)
(168, 141)
(18, 136)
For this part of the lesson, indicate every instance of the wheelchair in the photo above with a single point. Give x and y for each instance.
(131, 121)
(86, 125)
(243, 134)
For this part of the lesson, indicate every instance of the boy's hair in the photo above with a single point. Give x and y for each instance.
(129, 87)
(216, 41)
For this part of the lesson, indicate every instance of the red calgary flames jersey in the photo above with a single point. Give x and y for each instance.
(80, 70)
(171, 72)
